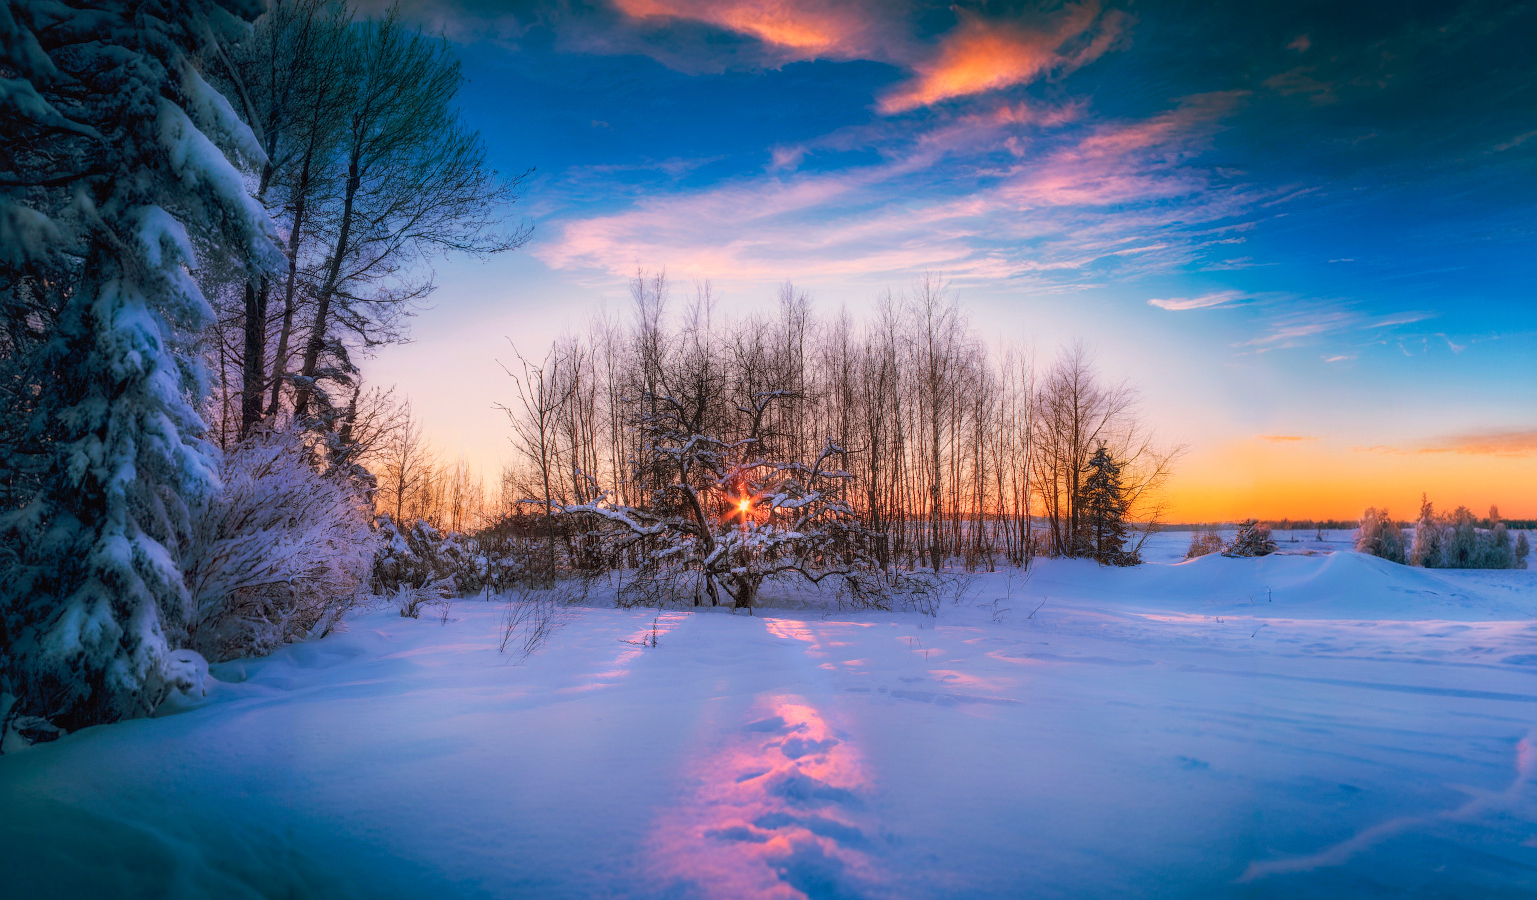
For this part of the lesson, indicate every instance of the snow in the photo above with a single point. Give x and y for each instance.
(1324, 726)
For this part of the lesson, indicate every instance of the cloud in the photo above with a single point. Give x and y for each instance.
(1300, 43)
(982, 55)
(1517, 442)
(955, 195)
(1308, 321)
(1514, 142)
(795, 29)
(1205, 301)
(1301, 81)
(1521, 442)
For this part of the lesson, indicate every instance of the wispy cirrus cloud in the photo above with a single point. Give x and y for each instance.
(1205, 301)
(982, 54)
(1489, 442)
(1307, 322)
(996, 193)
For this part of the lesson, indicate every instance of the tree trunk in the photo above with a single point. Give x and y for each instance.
(254, 365)
(317, 339)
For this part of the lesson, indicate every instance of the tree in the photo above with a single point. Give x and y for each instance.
(1102, 505)
(728, 503)
(119, 160)
(1074, 413)
(544, 392)
(416, 185)
(1429, 537)
(1380, 536)
(405, 466)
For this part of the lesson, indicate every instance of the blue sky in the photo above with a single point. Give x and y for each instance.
(1306, 230)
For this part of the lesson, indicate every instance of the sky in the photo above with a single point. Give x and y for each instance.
(1306, 231)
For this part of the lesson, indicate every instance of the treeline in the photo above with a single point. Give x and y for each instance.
(1455, 540)
(947, 445)
(1288, 525)
(205, 214)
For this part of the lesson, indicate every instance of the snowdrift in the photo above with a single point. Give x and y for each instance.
(1342, 585)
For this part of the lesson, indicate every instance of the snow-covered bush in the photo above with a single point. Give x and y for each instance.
(1253, 539)
(421, 556)
(279, 554)
(1380, 536)
(1204, 542)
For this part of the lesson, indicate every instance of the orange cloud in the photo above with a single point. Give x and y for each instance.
(1476, 443)
(807, 28)
(985, 55)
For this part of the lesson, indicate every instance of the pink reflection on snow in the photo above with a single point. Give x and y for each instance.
(776, 813)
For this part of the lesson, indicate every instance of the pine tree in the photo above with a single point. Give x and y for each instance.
(1102, 502)
(127, 153)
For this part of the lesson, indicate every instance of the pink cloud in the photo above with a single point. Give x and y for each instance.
(1205, 301)
(1127, 161)
(798, 29)
(939, 200)
(985, 55)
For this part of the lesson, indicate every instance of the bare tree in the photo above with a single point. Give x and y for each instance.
(544, 393)
(406, 462)
(416, 185)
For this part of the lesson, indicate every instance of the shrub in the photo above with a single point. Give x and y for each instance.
(420, 556)
(1204, 542)
(1379, 536)
(1253, 539)
(279, 554)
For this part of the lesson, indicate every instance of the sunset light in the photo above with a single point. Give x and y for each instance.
(768, 449)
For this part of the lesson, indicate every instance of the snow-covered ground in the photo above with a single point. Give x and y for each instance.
(1295, 726)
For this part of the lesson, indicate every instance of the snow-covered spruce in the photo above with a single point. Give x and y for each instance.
(119, 159)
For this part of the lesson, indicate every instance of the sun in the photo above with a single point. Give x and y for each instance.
(744, 505)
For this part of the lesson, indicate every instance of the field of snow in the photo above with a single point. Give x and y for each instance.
(1294, 726)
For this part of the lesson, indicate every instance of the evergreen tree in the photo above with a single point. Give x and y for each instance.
(1102, 502)
(117, 163)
